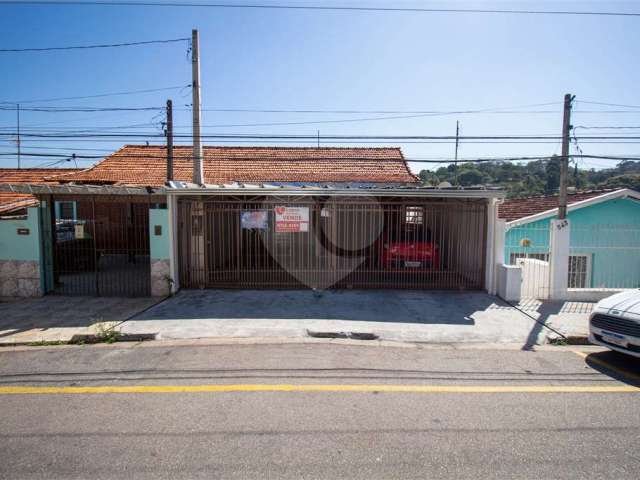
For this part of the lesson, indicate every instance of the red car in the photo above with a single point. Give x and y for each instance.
(411, 248)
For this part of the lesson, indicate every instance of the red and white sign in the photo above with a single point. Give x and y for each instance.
(292, 219)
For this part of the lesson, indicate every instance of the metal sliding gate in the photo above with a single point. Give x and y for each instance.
(101, 246)
(314, 242)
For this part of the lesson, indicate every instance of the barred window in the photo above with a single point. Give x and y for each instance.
(414, 215)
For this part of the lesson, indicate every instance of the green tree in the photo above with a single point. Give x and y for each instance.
(552, 171)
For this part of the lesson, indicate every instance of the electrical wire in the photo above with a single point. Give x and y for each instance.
(116, 138)
(254, 158)
(49, 147)
(383, 112)
(315, 137)
(85, 47)
(609, 104)
(632, 127)
(101, 95)
(337, 8)
(79, 109)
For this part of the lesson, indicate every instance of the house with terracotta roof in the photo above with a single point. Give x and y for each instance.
(147, 166)
(604, 236)
(13, 204)
(263, 217)
(20, 246)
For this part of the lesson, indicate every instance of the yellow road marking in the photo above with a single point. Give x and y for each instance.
(608, 366)
(14, 390)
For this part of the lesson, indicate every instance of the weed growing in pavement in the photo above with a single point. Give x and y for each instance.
(106, 332)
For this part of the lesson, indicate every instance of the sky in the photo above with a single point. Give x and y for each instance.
(258, 59)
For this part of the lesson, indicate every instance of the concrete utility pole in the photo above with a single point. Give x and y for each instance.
(198, 175)
(169, 141)
(564, 160)
(18, 141)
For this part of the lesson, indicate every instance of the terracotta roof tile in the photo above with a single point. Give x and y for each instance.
(146, 165)
(12, 202)
(516, 208)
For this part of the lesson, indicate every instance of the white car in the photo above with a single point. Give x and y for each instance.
(615, 323)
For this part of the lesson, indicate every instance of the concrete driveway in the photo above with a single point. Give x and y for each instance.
(416, 316)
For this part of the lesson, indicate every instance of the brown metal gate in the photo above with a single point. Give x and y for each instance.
(104, 249)
(347, 243)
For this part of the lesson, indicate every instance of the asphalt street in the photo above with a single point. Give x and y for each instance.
(317, 410)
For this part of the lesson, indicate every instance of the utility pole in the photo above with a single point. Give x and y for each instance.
(564, 160)
(18, 142)
(456, 155)
(169, 141)
(198, 175)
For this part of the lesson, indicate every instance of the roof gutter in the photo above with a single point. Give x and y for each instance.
(344, 192)
(420, 192)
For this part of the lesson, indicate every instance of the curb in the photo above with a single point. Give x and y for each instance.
(570, 340)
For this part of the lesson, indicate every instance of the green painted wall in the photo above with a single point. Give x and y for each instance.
(159, 244)
(608, 233)
(20, 247)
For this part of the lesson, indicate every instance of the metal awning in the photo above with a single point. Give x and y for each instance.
(69, 189)
(333, 189)
(298, 189)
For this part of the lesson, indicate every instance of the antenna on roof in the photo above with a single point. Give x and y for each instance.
(318, 138)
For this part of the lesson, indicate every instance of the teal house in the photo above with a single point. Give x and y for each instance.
(604, 235)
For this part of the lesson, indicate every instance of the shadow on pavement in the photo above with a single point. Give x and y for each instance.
(621, 367)
(408, 306)
(55, 317)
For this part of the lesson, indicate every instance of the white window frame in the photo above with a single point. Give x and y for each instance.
(414, 214)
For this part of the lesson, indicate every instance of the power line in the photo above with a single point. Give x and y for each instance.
(337, 111)
(408, 159)
(344, 8)
(81, 109)
(187, 141)
(615, 127)
(608, 104)
(314, 137)
(75, 119)
(84, 47)
(96, 129)
(131, 92)
(409, 113)
(71, 149)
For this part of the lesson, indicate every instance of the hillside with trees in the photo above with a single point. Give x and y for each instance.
(534, 178)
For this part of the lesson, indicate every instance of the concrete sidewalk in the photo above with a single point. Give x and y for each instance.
(414, 316)
(408, 316)
(56, 318)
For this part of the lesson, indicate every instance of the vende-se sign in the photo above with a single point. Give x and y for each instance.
(292, 219)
